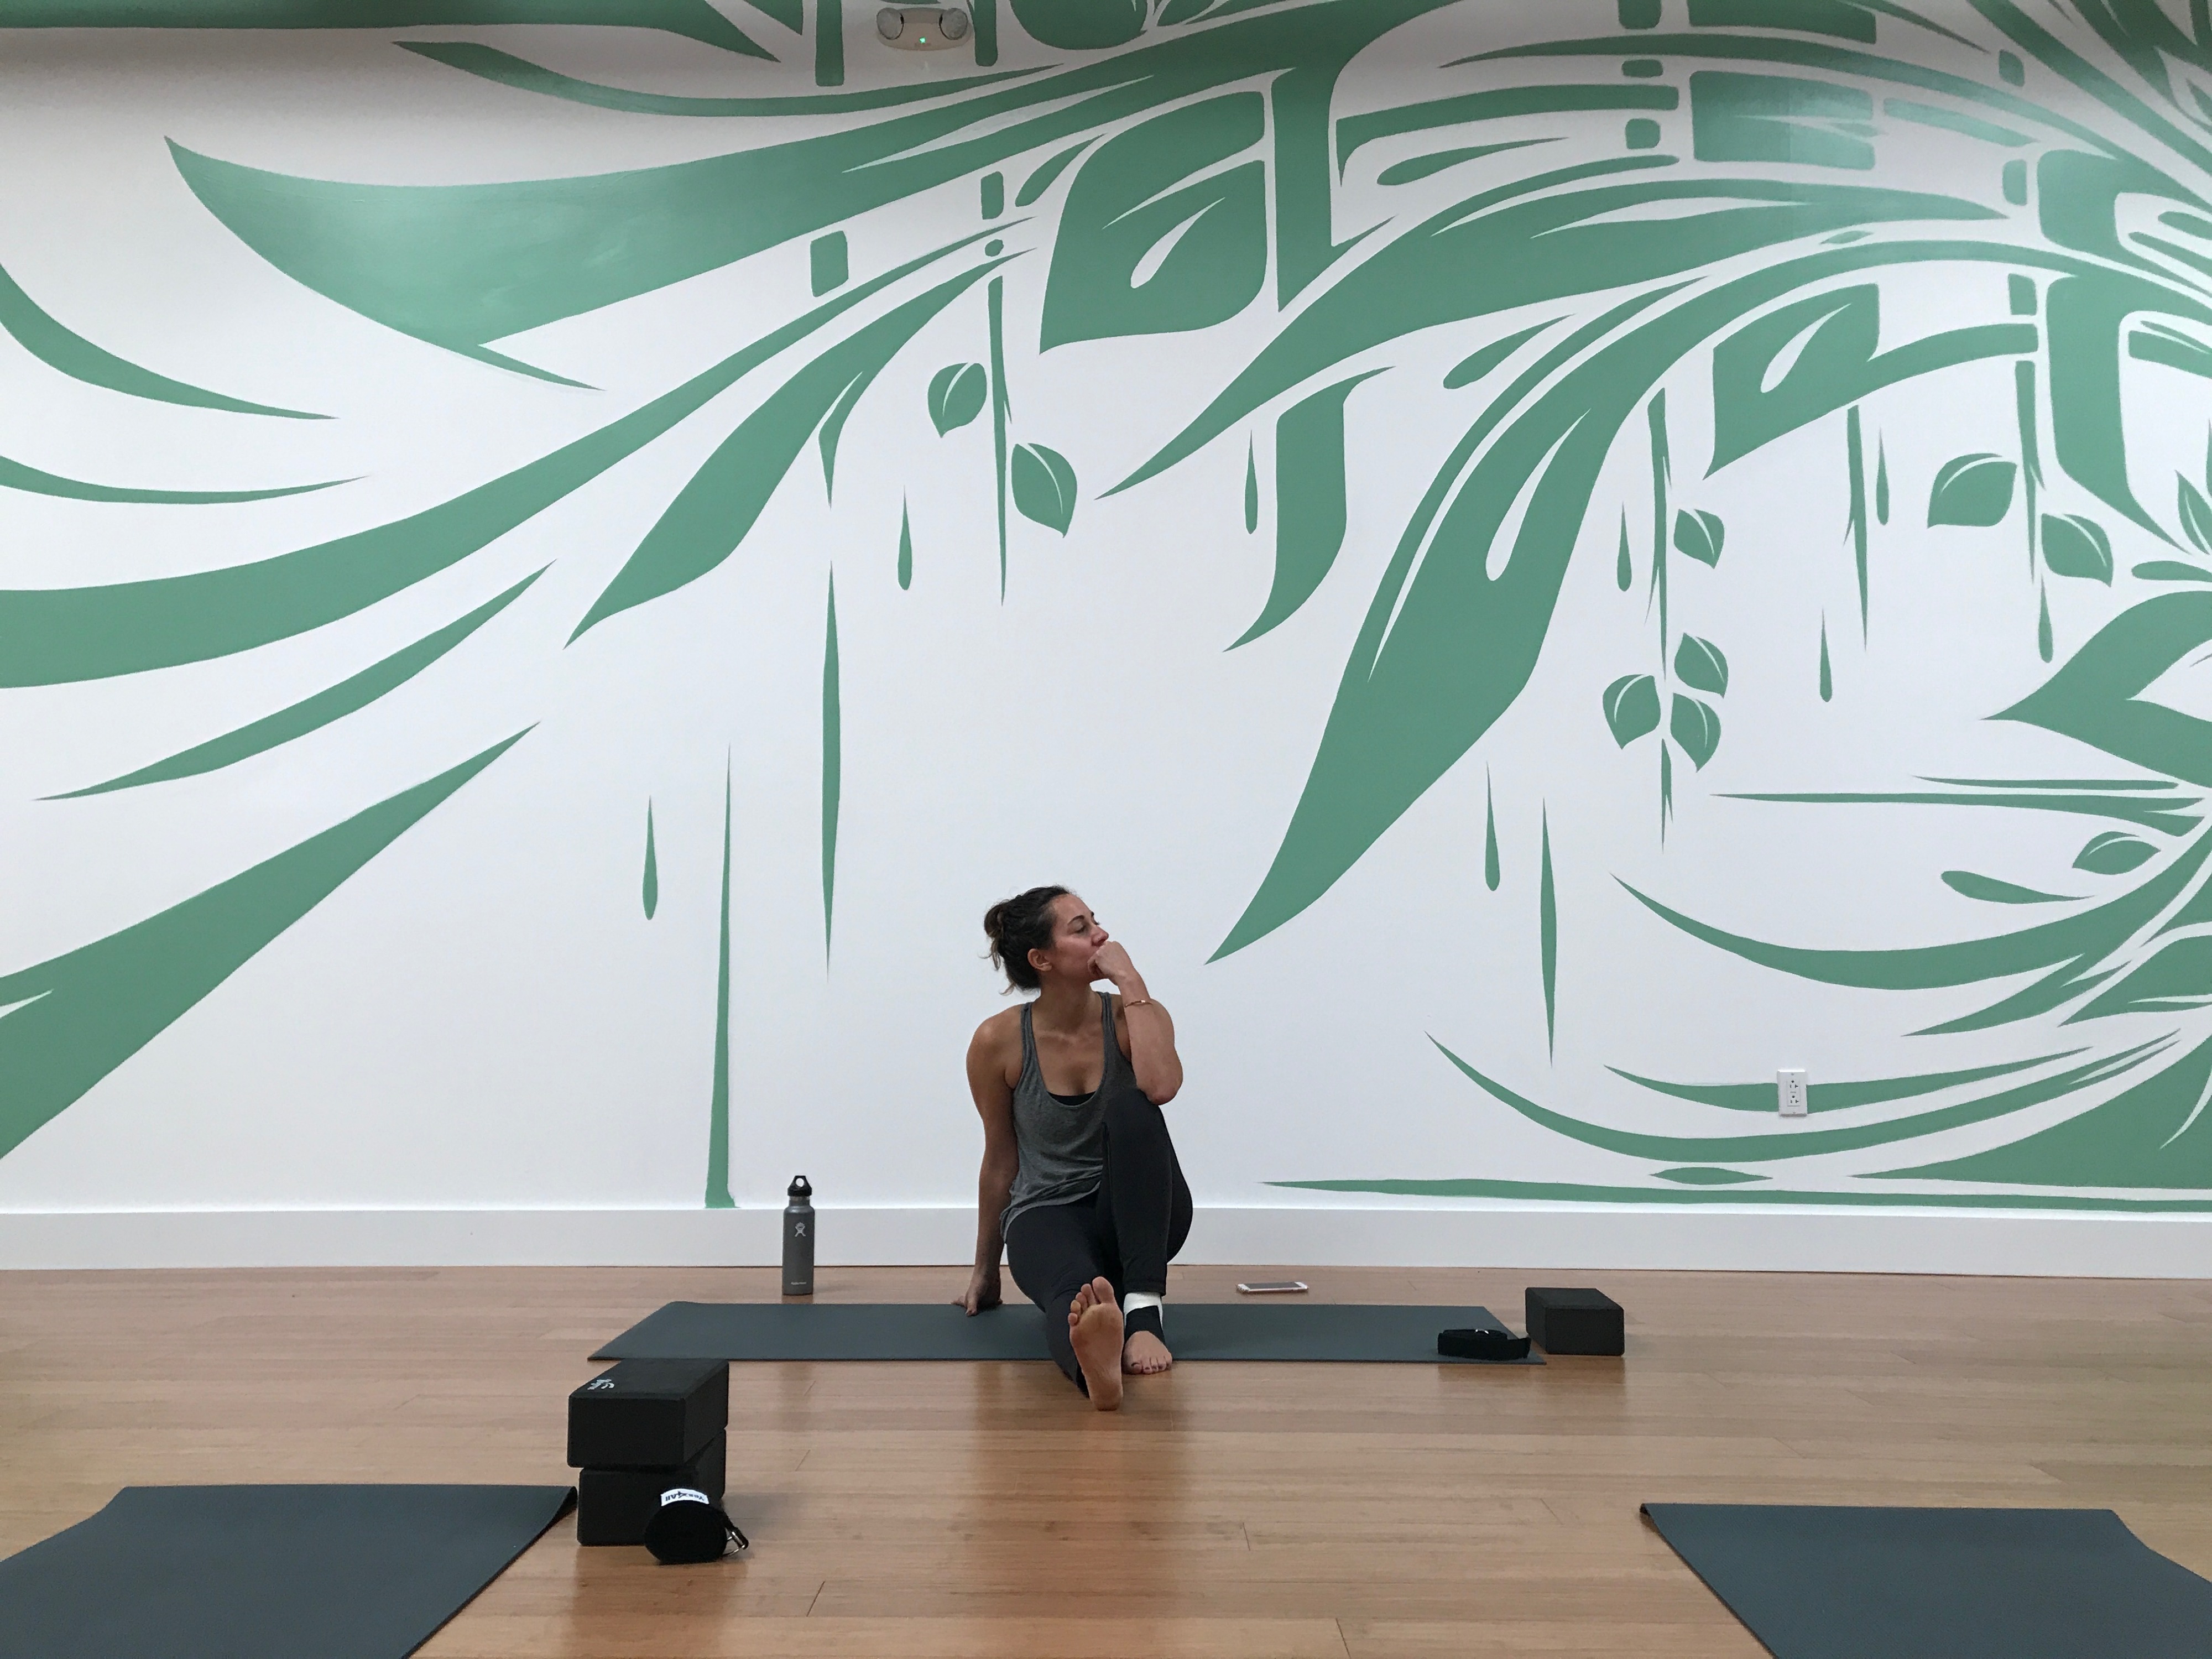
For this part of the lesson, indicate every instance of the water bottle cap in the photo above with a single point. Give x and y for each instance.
(799, 1189)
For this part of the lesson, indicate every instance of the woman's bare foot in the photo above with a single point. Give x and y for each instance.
(1094, 1326)
(1144, 1353)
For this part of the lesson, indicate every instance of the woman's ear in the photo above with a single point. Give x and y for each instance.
(1041, 962)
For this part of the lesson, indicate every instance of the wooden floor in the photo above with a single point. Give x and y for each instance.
(952, 1509)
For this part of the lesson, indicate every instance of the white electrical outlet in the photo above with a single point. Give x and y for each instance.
(1789, 1088)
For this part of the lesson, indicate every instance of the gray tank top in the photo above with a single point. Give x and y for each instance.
(1062, 1144)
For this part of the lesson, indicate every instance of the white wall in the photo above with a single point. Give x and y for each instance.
(478, 1046)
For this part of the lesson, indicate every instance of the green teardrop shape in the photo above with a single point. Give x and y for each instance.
(1827, 675)
(1881, 482)
(2043, 628)
(652, 867)
(1489, 837)
(906, 550)
(1624, 568)
(1251, 489)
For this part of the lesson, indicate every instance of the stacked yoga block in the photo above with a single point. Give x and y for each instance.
(639, 1430)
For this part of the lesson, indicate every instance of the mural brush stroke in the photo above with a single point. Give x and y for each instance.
(90, 1010)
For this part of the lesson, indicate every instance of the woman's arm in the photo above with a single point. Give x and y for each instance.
(994, 1103)
(1148, 1033)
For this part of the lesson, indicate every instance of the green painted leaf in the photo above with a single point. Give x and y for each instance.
(1700, 535)
(1156, 236)
(1044, 486)
(1309, 500)
(1082, 24)
(2195, 515)
(713, 513)
(1042, 180)
(1547, 938)
(1631, 708)
(1971, 489)
(313, 714)
(833, 772)
(85, 1012)
(13, 475)
(2076, 546)
(1706, 1175)
(955, 395)
(718, 1195)
(2113, 854)
(651, 890)
(1696, 727)
(2176, 977)
(2172, 570)
(1491, 874)
(1699, 665)
(906, 550)
(1990, 890)
(73, 355)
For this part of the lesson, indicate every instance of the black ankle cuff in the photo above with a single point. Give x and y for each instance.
(1142, 1319)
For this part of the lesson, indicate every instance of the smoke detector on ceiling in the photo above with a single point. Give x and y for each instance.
(922, 28)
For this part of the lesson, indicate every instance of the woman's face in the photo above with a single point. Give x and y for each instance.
(1077, 938)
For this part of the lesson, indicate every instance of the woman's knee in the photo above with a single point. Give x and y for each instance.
(1131, 1113)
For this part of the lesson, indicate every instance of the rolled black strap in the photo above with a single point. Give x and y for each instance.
(1478, 1344)
(691, 1527)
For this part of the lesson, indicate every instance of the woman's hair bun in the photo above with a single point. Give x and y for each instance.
(1017, 927)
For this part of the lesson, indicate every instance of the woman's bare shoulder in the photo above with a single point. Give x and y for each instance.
(1001, 1031)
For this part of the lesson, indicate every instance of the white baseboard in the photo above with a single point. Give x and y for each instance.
(1380, 1235)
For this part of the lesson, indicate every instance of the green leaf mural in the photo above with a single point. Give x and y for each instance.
(1138, 255)
(955, 395)
(1699, 665)
(711, 515)
(1697, 726)
(2195, 515)
(2114, 853)
(1631, 708)
(1044, 486)
(1990, 890)
(1971, 489)
(1309, 502)
(71, 353)
(1081, 25)
(1699, 536)
(1715, 225)
(2076, 546)
(86, 1011)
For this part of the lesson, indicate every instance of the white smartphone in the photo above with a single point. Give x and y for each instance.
(1273, 1287)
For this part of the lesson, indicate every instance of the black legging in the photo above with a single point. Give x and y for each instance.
(1126, 1233)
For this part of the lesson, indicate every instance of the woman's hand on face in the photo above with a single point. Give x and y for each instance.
(983, 1293)
(1112, 963)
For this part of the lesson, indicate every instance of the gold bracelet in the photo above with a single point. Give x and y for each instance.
(1142, 1002)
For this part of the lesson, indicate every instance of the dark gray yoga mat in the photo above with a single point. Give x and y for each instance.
(1925, 1583)
(265, 1572)
(1275, 1329)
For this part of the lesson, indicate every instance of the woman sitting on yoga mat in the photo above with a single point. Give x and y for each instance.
(1079, 1182)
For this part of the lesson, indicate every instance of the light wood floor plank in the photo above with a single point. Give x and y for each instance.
(1231, 1512)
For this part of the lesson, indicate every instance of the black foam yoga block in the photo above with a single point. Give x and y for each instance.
(648, 1414)
(1574, 1321)
(613, 1505)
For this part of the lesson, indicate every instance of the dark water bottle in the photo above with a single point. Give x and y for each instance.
(799, 1240)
